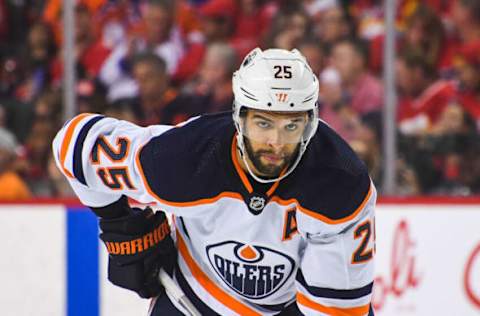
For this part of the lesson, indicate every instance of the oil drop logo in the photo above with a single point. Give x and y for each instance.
(252, 271)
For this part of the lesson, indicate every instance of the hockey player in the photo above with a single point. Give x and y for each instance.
(273, 213)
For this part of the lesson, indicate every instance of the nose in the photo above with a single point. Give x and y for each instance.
(275, 138)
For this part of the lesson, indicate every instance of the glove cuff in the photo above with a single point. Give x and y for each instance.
(114, 210)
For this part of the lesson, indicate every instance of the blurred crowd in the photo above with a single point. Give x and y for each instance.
(162, 61)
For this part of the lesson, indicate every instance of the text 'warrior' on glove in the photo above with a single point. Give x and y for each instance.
(138, 244)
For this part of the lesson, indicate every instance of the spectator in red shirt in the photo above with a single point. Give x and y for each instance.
(157, 32)
(113, 20)
(349, 57)
(421, 95)
(466, 20)
(334, 105)
(463, 29)
(252, 22)
(90, 52)
(218, 19)
(212, 89)
(467, 68)
(217, 22)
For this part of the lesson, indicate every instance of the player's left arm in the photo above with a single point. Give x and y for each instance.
(337, 268)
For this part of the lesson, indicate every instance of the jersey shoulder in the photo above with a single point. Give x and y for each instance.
(185, 163)
(331, 180)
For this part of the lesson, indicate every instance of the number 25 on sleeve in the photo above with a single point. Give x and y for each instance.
(113, 177)
(364, 231)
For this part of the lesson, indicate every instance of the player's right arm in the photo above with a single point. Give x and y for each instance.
(99, 157)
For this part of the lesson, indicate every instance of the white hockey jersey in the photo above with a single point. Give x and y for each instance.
(245, 248)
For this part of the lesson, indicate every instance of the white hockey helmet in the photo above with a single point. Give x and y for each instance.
(275, 80)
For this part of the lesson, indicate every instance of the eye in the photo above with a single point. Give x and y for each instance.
(291, 127)
(263, 124)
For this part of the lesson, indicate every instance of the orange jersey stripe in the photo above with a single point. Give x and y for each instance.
(239, 169)
(321, 217)
(273, 187)
(210, 286)
(332, 311)
(243, 175)
(67, 138)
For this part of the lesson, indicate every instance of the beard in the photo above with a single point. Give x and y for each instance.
(267, 169)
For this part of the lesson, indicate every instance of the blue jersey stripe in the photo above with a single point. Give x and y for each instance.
(333, 293)
(82, 263)
(78, 148)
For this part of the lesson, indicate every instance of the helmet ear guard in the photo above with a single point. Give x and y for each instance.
(275, 80)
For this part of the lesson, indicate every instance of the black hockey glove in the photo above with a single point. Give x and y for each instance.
(139, 244)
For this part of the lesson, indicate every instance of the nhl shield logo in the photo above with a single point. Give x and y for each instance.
(257, 203)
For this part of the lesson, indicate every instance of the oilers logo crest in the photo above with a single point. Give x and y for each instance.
(252, 271)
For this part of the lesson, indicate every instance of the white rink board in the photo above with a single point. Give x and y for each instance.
(434, 243)
(115, 300)
(32, 264)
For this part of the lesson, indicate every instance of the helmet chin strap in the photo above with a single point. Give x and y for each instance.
(243, 153)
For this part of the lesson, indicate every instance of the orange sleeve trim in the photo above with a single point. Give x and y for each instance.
(332, 311)
(67, 138)
(232, 195)
(210, 286)
(321, 217)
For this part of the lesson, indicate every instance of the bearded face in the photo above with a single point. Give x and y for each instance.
(267, 162)
(272, 140)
